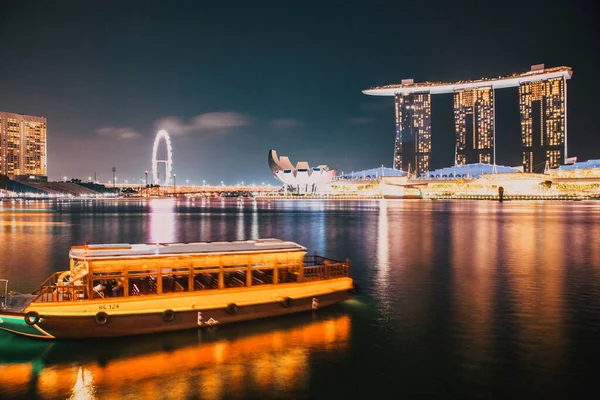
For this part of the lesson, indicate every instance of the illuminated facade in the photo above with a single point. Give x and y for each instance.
(22, 145)
(543, 101)
(474, 125)
(543, 123)
(302, 178)
(162, 134)
(413, 132)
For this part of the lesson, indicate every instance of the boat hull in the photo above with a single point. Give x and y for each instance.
(137, 323)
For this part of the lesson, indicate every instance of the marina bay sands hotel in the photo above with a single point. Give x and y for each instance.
(543, 108)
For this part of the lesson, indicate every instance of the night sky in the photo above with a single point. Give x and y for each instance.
(232, 80)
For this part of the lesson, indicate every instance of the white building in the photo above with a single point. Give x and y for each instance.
(302, 178)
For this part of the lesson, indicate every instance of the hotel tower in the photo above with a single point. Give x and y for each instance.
(543, 109)
(413, 132)
(22, 146)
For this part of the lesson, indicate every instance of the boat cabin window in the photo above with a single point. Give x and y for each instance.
(175, 280)
(107, 284)
(206, 278)
(262, 274)
(142, 282)
(234, 276)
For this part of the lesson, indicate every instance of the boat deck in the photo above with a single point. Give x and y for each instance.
(18, 303)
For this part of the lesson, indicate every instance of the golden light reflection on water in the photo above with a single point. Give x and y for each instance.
(383, 252)
(536, 279)
(474, 260)
(84, 386)
(275, 360)
(505, 269)
(20, 232)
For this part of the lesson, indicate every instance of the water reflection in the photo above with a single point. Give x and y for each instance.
(27, 230)
(240, 224)
(383, 251)
(163, 223)
(470, 295)
(275, 361)
(254, 227)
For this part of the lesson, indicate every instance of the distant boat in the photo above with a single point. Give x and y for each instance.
(122, 289)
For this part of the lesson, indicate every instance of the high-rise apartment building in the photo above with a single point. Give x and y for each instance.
(22, 146)
(543, 123)
(413, 132)
(474, 125)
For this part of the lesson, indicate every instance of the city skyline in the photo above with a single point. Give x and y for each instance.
(230, 84)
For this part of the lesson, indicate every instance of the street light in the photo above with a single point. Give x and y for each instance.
(146, 177)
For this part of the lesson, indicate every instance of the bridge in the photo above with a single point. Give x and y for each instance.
(200, 190)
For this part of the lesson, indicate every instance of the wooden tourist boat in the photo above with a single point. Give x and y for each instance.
(122, 289)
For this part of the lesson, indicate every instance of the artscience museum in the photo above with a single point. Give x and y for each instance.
(302, 178)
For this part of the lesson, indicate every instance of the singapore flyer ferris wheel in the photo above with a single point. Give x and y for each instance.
(162, 134)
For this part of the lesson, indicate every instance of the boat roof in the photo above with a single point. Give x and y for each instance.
(125, 250)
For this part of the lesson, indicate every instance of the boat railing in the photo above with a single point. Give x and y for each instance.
(51, 281)
(52, 289)
(58, 287)
(318, 268)
(315, 260)
(3, 293)
(62, 293)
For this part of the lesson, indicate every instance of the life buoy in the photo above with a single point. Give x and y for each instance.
(286, 302)
(32, 318)
(232, 308)
(168, 315)
(60, 281)
(101, 318)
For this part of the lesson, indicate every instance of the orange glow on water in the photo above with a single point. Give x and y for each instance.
(275, 360)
